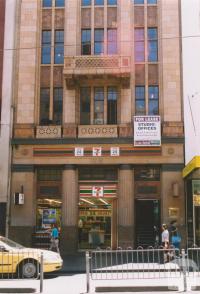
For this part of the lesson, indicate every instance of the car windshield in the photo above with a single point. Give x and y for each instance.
(10, 243)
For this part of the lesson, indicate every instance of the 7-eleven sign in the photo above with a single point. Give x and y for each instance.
(97, 191)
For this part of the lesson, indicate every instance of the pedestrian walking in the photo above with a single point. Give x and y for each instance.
(54, 239)
(172, 229)
(176, 240)
(165, 242)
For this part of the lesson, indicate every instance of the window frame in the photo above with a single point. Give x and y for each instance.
(152, 42)
(138, 99)
(99, 41)
(155, 99)
(59, 47)
(139, 42)
(99, 100)
(46, 47)
(88, 42)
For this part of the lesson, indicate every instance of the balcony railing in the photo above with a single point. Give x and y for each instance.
(118, 66)
(43, 132)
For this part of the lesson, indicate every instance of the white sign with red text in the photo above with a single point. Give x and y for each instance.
(147, 130)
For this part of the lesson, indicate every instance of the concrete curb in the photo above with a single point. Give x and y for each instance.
(136, 289)
(17, 290)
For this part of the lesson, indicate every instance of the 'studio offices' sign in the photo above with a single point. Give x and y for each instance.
(147, 130)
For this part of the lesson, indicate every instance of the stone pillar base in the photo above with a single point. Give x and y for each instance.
(68, 240)
(21, 235)
(125, 236)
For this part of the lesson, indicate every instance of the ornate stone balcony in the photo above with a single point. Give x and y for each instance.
(48, 132)
(98, 131)
(75, 67)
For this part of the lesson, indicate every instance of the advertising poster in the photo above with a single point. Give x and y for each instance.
(147, 130)
(49, 216)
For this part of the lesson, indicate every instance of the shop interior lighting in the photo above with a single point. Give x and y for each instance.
(50, 200)
(87, 201)
(102, 200)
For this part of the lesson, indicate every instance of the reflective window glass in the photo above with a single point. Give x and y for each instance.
(59, 47)
(47, 3)
(153, 100)
(44, 106)
(60, 3)
(112, 105)
(98, 41)
(85, 94)
(57, 105)
(152, 44)
(112, 2)
(99, 2)
(139, 44)
(86, 2)
(86, 42)
(140, 100)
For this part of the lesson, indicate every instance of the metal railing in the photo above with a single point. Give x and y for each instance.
(21, 264)
(151, 263)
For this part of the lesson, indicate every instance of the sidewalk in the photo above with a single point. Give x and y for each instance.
(73, 263)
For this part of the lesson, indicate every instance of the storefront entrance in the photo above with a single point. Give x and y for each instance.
(147, 222)
(95, 223)
(97, 216)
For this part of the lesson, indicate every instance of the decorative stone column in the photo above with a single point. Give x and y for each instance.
(126, 207)
(69, 209)
(22, 217)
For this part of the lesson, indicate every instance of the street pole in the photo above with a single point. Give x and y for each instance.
(87, 257)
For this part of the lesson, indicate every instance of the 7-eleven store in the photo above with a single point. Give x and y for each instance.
(97, 213)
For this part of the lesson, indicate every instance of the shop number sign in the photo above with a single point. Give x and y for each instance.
(97, 191)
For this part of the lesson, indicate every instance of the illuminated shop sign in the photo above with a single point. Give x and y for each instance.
(97, 191)
(147, 130)
(94, 212)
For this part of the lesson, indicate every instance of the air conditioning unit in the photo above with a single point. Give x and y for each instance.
(18, 198)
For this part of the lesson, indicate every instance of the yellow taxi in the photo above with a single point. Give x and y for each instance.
(26, 262)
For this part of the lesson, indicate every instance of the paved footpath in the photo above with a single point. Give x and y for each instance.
(76, 284)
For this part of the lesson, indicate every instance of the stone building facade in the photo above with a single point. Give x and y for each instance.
(7, 22)
(85, 72)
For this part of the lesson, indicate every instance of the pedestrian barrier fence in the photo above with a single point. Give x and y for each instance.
(151, 263)
(21, 264)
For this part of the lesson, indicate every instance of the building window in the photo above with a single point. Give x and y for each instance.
(99, 2)
(86, 42)
(112, 105)
(112, 41)
(147, 173)
(59, 47)
(153, 98)
(152, 44)
(46, 47)
(85, 97)
(139, 45)
(57, 106)
(60, 3)
(99, 105)
(44, 106)
(140, 100)
(138, 1)
(112, 2)
(46, 3)
(86, 2)
(151, 1)
(98, 41)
